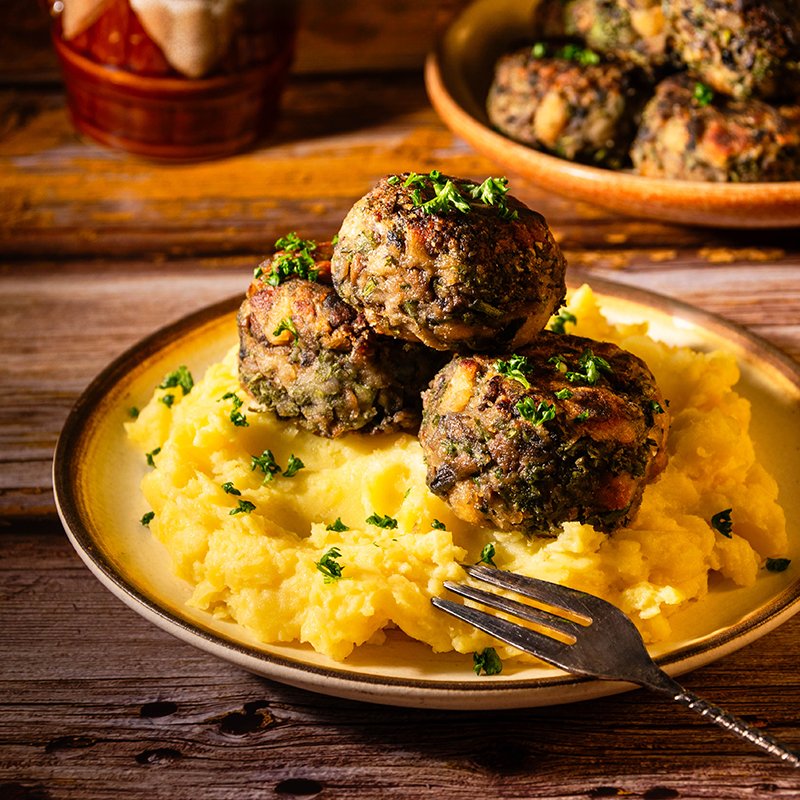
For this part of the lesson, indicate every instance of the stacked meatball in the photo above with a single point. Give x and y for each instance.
(438, 282)
(685, 89)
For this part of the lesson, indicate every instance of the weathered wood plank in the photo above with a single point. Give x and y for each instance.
(99, 703)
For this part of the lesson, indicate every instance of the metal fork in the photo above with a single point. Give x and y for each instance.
(595, 639)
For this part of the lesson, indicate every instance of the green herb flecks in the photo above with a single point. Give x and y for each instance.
(229, 488)
(537, 413)
(151, 455)
(439, 526)
(286, 325)
(167, 399)
(592, 366)
(702, 94)
(293, 257)
(147, 518)
(244, 507)
(655, 407)
(293, 467)
(580, 55)
(179, 377)
(487, 662)
(438, 194)
(563, 394)
(236, 416)
(329, 566)
(514, 368)
(563, 317)
(777, 564)
(384, 521)
(722, 523)
(133, 412)
(266, 463)
(488, 554)
(337, 526)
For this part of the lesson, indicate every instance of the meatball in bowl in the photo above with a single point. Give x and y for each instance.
(312, 359)
(565, 430)
(449, 263)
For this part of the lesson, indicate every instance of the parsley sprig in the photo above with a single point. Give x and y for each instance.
(515, 368)
(270, 468)
(236, 416)
(592, 366)
(487, 661)
(384, 521)
(447, 195)
(329, 566)
(487, 554)
(286, 324)
(722, 523)
(292, 257)
(537, 413)
(178, 377)
(564, 316)
(702, 94)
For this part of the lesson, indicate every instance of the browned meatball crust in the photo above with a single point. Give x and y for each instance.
(581, 111)
(567, 429)
(630, 30)
(688, 138)
(743, 48)
(427, 260)
(312, 359)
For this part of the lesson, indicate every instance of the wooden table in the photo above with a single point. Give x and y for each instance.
(100, 249)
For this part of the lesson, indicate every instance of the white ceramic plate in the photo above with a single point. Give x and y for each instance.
(97, 474)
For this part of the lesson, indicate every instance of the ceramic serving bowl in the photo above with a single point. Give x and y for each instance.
(457, 76)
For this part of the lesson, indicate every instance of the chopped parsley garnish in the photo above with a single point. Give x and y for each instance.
(293, 257)
(487, 661)
(580, 55)
(329, 566)
(167, 399)
(702, 94)
(563, 394)
(777, 564)
(655, 407)
(286, 325)
(236, 416)
(514, 368)
(178, 377)
(487, 555)
(572, 52)
(592, 366)
(266, 463)
(558, 323)
(229, 488)
(722, 523)
(449, 196)
(133, 412)
(439, 526)
(150, 516)
(382, 522)
(293, 467)
(337, 526)
(149, 456)
(244, 507)
(582, 417)
(537, 414)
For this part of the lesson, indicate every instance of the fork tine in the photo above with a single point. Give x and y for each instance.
(554, 594)
(531, 641)
(536, 615)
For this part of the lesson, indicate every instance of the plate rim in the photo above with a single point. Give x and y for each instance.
(508, 692)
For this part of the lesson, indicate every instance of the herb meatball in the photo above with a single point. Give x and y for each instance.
(688, 132)
(309, 357)
(630, 30)
(448, 263)
(566, 429)
(743, 48)
(572, 104)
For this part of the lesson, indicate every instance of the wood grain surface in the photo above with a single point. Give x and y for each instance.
(97, 250)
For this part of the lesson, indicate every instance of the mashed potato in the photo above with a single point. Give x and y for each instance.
(254, 545)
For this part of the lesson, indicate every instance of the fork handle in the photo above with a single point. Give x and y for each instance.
(735, 725)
